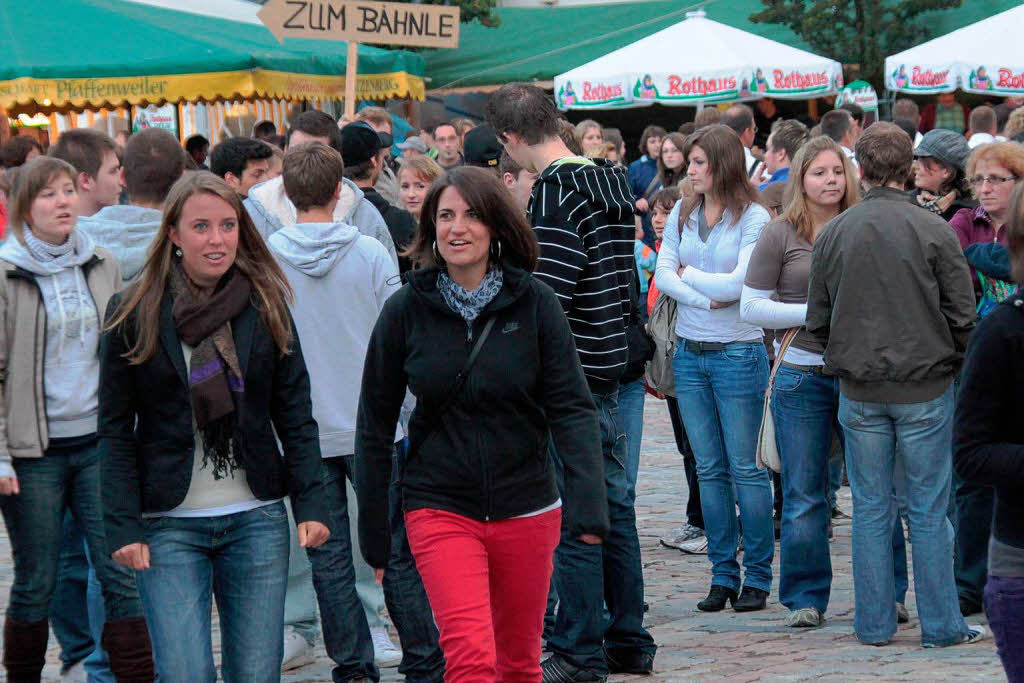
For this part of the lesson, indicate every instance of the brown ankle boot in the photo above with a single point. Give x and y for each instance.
(25, 649)
(131, 654)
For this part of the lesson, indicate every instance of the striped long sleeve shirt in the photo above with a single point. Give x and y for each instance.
(582, 214)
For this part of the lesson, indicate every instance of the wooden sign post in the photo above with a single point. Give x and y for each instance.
(355, 21)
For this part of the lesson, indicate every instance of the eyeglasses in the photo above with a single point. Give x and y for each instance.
(993, 180)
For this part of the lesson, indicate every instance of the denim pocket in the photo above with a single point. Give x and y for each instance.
(788, 379)
(741, 353)
(274, 511)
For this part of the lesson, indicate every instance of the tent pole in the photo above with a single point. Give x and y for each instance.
(351, 63)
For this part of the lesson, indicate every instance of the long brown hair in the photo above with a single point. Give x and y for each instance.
(728, 167)
(486, 196)
(141, 302)
(797, 212)
(670, 178)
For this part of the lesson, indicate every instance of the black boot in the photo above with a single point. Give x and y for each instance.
(751, 600)
(25, 649)
(131, 654)
(717, 597)
(629, 661)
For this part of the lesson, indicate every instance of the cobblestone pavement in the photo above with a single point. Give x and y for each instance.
(728, 645)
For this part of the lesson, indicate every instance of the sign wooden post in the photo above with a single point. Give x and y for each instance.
(359, 21)
(351, 63)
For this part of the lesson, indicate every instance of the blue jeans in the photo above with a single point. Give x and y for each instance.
(1004, 606)
(69, 617)
(805, 406)
(721, 396)
(76, 613)
(919, 436)
(694, 514)
(631, 408)
(66, 477)
(588, 577)
(346, 633)
(408, 607)
(972, 521)
(241, 560)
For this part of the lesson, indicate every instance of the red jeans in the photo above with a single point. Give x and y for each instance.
(487, 583)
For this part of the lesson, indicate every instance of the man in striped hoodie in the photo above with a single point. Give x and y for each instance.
(582, 213)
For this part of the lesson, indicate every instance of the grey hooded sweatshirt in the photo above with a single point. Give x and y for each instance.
(126, 231)
(271, 210)
(341, 281)
(72, 378)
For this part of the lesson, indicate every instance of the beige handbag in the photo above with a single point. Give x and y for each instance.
(767, 449)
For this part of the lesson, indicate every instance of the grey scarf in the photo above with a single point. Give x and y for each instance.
(469, 304)
(60, 255)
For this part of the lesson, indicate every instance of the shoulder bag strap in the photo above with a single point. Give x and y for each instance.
(787, 341)
(655, 182)
(460, 381)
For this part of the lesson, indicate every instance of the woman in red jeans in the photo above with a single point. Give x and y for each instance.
(482, 510)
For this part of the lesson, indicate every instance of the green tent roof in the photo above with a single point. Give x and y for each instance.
(537, 43)
(117, 39)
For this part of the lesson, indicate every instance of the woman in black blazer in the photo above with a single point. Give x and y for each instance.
(200, 366)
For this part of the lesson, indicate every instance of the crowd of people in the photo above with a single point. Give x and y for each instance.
(274, 374)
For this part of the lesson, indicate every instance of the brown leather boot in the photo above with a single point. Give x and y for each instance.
(25, 649)
(131, 654)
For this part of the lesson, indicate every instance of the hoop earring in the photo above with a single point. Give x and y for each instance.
(437, 254)
(497, 256)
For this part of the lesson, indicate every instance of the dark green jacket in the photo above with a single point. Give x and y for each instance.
(890, 297)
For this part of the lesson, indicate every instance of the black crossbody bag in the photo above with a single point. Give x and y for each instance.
(460, 381)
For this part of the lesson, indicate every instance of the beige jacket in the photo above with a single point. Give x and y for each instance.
(23, 432)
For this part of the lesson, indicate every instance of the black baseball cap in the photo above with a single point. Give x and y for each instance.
(359, 143)
(481, 147)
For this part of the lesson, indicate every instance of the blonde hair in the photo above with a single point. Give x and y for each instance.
(1009, 155)
(797, 212)
(601, 151)
(138, 313)
(580, 131)
(423, 166)
(378, 115)
(1015, 123)
(28, 182)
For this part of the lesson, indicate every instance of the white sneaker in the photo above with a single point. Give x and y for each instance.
(385, 653)
(297, 650)
(76, 674)
(975, 634)
(680, 535)
(695, 546)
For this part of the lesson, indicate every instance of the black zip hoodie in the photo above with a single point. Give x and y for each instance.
(582, 213)
(488, 457)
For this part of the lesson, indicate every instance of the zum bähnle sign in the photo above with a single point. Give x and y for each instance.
(382, 23)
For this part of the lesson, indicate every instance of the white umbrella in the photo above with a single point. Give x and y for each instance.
(693, 62)
(985, 57)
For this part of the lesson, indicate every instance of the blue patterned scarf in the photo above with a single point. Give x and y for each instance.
(469, 304)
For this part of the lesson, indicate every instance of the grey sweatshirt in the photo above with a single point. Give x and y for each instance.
(341, 280)
(126, 231)
(72, 377)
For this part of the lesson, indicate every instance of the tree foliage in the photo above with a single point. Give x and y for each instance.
(855, 31)
(472, 10)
